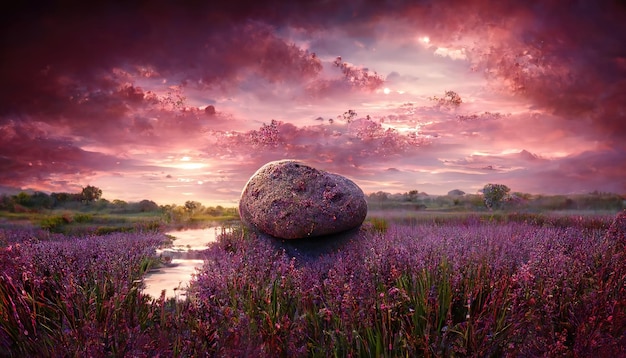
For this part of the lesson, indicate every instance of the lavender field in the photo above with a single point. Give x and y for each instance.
(490, 285)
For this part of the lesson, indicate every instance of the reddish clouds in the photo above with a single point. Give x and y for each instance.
(171, 99)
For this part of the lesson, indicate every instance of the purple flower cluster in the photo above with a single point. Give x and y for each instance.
(467, 287)
(520, 285)
(64, 296)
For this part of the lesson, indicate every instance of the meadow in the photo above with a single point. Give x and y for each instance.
(479, 285)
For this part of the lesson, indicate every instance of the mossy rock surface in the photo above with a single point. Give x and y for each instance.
(290, 200)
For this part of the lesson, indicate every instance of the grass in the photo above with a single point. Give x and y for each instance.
(488, 285)
(76, 222)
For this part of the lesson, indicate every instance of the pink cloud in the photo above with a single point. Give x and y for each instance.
(87, 88)
(31, 158)
(342, 145)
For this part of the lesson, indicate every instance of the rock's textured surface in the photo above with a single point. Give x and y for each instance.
(290, 200)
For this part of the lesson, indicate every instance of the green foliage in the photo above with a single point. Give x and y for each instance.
(194, 212)
(53, 223)
(119, 203)
(83, 218)
(458, 201)
(60, 198)
(91, 193)
(495, 194)
(23, 199)
(147, 205)
(192, 206)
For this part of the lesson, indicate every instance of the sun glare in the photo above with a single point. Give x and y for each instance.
(386, 91)
(186, 163)
(190, 166)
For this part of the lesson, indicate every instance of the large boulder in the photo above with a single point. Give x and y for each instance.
(290, 200)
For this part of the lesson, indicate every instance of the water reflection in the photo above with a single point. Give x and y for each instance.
(180, 261)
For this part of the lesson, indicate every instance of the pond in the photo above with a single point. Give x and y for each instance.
(181, 260)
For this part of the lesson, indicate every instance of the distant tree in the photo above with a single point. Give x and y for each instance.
(61, 198)
(215, 210)
(176, 213)
(148, 205)
(37, 200)
(102, 204)
(23, 199)
(412, 195)
(456, 192)
(119, 203)
(379, 196)
(495, 194)
(41, 200)
(473, 201)
(6, 202)
(192, 206)
(91, 193)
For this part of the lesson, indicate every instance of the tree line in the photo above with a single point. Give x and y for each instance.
(495, 197)
(89, 199)
(40, 200)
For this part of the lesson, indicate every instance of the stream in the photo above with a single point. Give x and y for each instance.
(181, 260)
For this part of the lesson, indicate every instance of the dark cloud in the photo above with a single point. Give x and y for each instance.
(566, 59)
(75, 75)
(54, 54)
(28, 156)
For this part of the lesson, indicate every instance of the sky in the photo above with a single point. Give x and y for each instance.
(155, 100)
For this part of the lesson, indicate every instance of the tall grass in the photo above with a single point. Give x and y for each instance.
(468, 287)
(73, 296)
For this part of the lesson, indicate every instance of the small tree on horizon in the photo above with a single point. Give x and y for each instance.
(91, 193)
(495, 194)
(192, 206)
(456, 192)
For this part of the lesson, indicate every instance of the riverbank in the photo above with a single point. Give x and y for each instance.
(180, 260)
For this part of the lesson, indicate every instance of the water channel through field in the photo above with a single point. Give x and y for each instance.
(181, 260)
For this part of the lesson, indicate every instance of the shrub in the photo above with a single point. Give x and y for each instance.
(53, 223)
(83, 218)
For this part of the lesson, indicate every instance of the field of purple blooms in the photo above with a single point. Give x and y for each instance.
(492, 285)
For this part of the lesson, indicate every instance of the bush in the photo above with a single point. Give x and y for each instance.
(83, 218)
(53, 223)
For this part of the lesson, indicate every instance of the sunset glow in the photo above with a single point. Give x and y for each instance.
(169, 103)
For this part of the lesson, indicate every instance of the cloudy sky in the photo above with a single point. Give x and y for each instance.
(170, 103)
